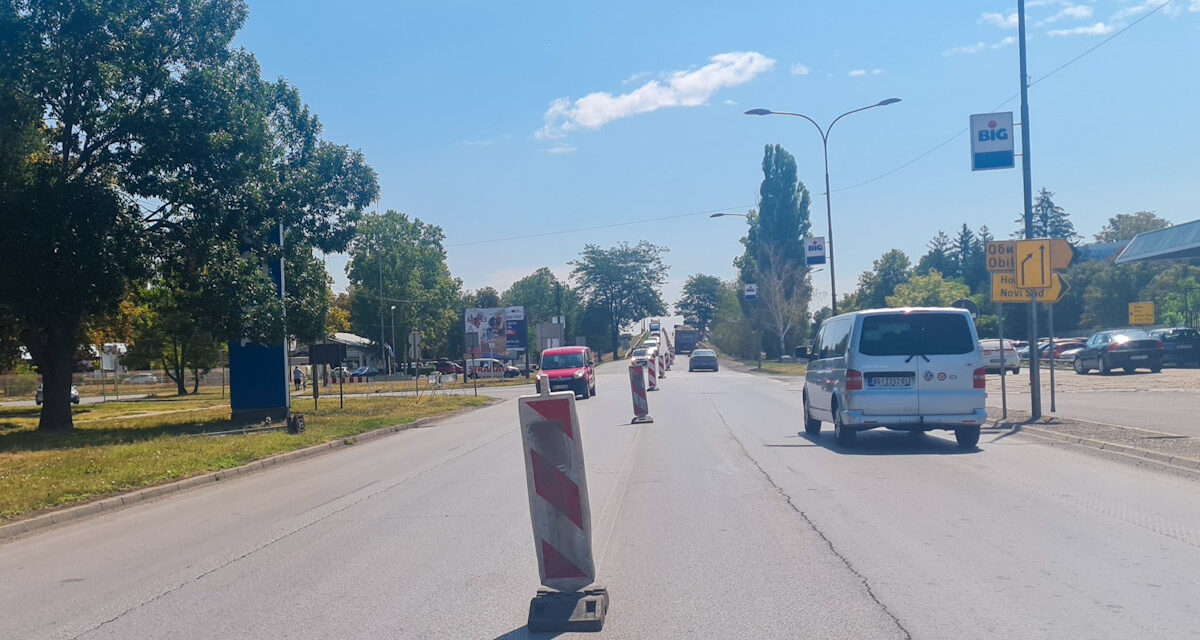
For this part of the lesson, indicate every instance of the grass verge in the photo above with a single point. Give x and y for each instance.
(118, 452)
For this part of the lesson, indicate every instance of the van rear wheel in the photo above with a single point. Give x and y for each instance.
(812, 426)
(967, 437)
(842, 434)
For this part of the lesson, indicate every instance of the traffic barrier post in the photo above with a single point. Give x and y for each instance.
(559, 512)
(637, 386)
(662, 366)
(652, 374)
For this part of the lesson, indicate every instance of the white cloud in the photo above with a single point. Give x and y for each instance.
(1076, 11)
(1097, 29)
(965, 49)
(876, 72)
(1129, 12)
(1005, 42)
(561, 148)
(731, 102)
(637, 77)
(682, 89)
(801, 70)
(858, 72)
(1000, 20)
(476, 143)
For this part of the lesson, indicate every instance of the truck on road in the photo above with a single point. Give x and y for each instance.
(686, 338)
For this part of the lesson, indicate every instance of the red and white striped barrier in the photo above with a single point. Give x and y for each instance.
(559, 512)
(662, 365)
(637, 386)
(652, 374)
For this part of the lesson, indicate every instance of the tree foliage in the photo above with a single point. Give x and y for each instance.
(541, 293)
(783, 294)
(887, 272)
(699, 301)
(625, 281)
(408, 258)
(1124, 226)
(782, 220)
(938, 258)
(134, 131)
(930, 290)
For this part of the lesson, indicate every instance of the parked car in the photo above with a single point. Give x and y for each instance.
(141, 378)
(569, 368)
(1068, 355)
(907, 369)
(369, 372)
(703, 359)
(448, 367)
(1126, 349)
(39, 397)
(1181, 345)
(1061, 347)
(490, 368)
(994, 361)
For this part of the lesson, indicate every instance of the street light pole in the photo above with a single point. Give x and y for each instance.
(393, 330)
(828, 205)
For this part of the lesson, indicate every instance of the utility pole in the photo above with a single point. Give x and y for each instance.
(1035, 385)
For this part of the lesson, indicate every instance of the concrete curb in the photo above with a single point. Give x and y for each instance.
(1144, 455)
(130, 498)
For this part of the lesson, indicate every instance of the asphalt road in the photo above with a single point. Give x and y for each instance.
(716, 521)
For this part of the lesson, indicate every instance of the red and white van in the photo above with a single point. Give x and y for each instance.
(570, 368)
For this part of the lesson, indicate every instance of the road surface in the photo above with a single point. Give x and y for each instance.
(716, 521)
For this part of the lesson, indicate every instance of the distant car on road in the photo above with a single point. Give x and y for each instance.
(1181, 345)
(641, 355)
(1126, 349)
(39, 397)
(369, 372)
(703, 359)
(569, 368)
(995, 361)
(141, 378)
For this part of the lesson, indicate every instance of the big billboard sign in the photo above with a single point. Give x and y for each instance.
(495, 330)
(992, 141)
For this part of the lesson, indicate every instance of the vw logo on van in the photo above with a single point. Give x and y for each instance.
(928, 376)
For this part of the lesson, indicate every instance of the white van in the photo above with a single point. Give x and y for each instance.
(908, 369)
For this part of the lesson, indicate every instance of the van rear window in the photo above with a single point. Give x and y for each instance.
(915, 334)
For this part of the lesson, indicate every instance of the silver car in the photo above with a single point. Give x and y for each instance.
(40, 397)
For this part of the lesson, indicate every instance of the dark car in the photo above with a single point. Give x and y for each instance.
(1181, 345)
(1126, 349)
(369, 372)
(702, 359)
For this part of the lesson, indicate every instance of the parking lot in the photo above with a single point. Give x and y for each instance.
(1166, 401)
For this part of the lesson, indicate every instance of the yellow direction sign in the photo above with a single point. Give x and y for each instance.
(1000, 255)
(1141, 313)
(1033, 262)
(1061, 254)
(1005, 289)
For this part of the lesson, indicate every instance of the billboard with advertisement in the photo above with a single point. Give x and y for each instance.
(495, 330)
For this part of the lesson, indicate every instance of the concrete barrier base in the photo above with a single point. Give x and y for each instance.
(558, 611)
(641, 420)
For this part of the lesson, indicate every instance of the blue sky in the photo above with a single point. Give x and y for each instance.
(496, 120)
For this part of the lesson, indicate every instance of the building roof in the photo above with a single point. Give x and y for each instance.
(1181, 241)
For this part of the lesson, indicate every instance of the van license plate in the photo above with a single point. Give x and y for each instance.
(889, 381)
(1138, 357)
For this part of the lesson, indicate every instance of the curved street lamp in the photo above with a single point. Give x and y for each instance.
(828, 207)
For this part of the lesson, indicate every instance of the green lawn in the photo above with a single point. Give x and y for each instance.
(117, 447)
(779, 368)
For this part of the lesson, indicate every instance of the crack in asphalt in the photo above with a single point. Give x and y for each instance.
(287, 535)
(804, 516)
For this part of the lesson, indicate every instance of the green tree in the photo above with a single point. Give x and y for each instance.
(782, 220)
(1124, 226)
(732, 331)
(783, 294)
(887, 272)
(1049, 220)
(1176, 294)
(699, 300)
(625, 281)
(540, 292)
(487, 297)
(167, 337)
(109, 104)
(1112, 288)
(930, 290)
(408, 258)
(938, 258)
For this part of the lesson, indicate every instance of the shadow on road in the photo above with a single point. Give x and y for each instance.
(883, 442)
(523, 632)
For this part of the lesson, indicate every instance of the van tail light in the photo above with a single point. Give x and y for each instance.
(981, 378)
(853, 380)
(1112, 346)
(1158, 344)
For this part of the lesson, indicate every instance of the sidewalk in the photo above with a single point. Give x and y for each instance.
(1172, 450)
